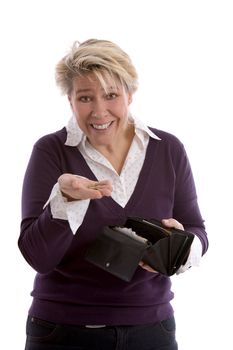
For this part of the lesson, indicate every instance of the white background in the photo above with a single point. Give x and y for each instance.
(184, 56)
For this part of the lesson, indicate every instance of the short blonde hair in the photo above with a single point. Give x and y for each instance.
(103, 58)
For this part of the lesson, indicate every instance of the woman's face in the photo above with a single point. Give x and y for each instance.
(101, 115)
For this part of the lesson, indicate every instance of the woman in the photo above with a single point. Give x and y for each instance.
(100, 169)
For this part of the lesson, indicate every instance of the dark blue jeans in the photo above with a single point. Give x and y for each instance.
(43, 335)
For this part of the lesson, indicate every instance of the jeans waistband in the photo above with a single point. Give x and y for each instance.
(95, 326)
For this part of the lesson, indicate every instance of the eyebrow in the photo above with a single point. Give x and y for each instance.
(80, 91)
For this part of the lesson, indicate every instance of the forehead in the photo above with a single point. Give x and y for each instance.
(91, 82)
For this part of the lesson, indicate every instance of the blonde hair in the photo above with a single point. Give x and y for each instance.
(103, 58)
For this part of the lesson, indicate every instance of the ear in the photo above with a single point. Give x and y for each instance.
(70, 101)
(130, 98)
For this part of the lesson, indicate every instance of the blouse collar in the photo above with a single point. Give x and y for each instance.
(75, 135)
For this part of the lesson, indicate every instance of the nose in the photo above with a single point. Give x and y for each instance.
(99, 109)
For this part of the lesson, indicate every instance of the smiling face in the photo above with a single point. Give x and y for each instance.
(101, 115)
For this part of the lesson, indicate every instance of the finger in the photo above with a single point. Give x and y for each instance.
(90, 191)
(83, 183)
(90, 183)
(83, 188)
(172, 223)
(106, 192)
(147, 267)
(104, 187)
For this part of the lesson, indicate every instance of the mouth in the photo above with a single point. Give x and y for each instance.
(101, 126)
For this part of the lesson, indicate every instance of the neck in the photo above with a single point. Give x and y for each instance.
(116, 153)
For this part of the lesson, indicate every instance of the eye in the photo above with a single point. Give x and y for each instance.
(111, 96)
(84, 99)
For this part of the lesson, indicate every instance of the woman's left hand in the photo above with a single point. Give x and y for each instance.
(172, 223)
(147, 267)
(169, 223)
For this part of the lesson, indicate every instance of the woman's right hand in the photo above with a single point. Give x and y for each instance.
(75, 187)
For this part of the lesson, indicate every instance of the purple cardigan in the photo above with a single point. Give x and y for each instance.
(68, 289)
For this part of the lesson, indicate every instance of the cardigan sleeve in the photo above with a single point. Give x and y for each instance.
(43, 240)
(186, 208)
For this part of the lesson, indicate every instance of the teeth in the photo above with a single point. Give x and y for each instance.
(101, 126)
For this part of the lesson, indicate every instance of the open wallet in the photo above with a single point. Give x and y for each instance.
(118, 250)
